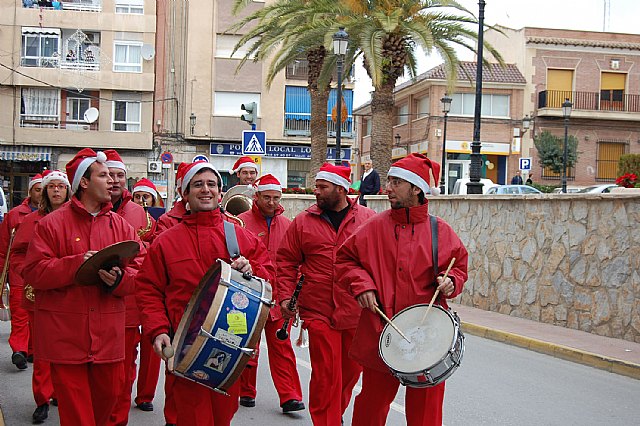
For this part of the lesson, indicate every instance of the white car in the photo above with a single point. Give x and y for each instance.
(460, 187)
(598, 189)
(512, 190)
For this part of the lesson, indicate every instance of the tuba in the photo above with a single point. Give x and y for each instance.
(238, 199)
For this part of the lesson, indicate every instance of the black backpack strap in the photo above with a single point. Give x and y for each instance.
(434, 244)
(231, 239)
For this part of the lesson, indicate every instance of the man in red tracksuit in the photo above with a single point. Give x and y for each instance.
(176, 263)
(123, 204)
(266, 221)
(81, 327)
(19, 339)
(330, 314)
(402, 277)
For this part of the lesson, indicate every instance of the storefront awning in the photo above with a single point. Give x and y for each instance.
(24, 153)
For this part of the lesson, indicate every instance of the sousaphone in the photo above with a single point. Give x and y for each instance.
(238, 199)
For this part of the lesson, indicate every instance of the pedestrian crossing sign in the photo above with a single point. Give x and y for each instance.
(254, 142)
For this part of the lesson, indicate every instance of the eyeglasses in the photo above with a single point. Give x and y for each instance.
(59, 187)
(395, 182)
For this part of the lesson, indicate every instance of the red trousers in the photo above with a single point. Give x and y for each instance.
(423, 407)
(282, 364)
(41, 377)
(170, 411)
(332, 372)
(19, 339)
(87, 393)
(120, 415)
(198, 405)
(148, 373)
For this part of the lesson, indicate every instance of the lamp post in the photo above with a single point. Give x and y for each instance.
(446, 107)
(475, 186)
(397, 138)
(566, 113)
(192, 121)
(340, 43)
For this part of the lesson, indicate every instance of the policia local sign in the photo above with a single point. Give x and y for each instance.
(276, 151)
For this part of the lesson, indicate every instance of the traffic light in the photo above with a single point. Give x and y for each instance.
(252, 113)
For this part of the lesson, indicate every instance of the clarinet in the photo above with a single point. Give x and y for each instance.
(282, 334)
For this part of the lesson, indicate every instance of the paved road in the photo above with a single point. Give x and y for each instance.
(497, 384)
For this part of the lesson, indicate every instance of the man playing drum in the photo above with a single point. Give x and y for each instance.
(388, 264)
(177, 261)
(81, 327)
(266, 221)
(330, 315)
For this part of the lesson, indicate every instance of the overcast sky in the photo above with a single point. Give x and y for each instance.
(623, 17)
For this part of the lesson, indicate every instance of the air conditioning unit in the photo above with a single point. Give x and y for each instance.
(154, 167)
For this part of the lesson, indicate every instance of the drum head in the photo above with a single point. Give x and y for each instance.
(118, 254)
(431, 340)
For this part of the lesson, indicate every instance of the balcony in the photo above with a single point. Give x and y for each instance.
(299, 125)
(605, 100)
(77, 5)
(299, 70)
(53, 122)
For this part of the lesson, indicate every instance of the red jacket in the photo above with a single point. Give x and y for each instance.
(137, 217)
(391, 254)
(270, 236)
(12, 219)
(80, 323)
(177, 261)
(21, 241)
(311, 243)
(172, 217)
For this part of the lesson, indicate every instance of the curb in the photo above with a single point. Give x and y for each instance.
(612, 365)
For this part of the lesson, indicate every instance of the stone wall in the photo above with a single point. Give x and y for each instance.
(572, 261)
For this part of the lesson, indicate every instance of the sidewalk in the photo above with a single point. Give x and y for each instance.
(613, 355)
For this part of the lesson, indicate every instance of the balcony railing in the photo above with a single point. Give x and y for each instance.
(78, 5)
(299, 70)
(302, 127)
(52, 122)
(605, 100)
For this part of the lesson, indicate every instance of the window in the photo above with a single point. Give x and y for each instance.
(130, 6)
(609, 153)
(126, 115)
(369, 123)
(76, 107)
(39, 107)
(422, 107)
(127, 56)
(298, 112)
(40, 47)
(225, 44)
(549, 174)
(228, 103)
(403, 114)
(492, 105)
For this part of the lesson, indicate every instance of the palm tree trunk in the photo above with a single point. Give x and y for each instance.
(382, 117)
(319, 101)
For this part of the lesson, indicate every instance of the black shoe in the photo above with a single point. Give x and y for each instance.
(19, 359)
(247, 401)
(30, 359)
(170, 424)
(145, 406)
(41, 414)
(292, 405)
(54, 402)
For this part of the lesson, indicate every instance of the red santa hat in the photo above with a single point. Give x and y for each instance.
(145, 185)
(417, 169)
(180, 174)
(114, 160)
(50, 175)
(267, 182)
(339, 175)
(244, 161)
(81, 163)
(193, 168)
(36, 179)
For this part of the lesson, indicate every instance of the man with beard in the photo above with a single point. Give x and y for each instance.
(407, 274)
(330, 314)
(81, 327)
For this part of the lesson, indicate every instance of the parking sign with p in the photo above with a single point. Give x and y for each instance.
(525, 164)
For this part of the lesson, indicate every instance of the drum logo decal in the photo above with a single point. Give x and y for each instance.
(387, 340)
(227, 338)
(218, 360)
(239, 300)
(200, 375)
(237, 322)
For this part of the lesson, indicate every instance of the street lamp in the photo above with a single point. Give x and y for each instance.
(475, 186)
(566, 113)
(192, 121)
(340, 43)
(397, 138)
(446, 107)
(526, 124)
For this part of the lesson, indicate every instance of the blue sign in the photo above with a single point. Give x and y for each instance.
(200, 158)
(525, 164)
(277, 151)
(166, 157)
(254, 142)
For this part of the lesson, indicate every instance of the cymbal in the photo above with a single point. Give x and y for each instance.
(118, 254)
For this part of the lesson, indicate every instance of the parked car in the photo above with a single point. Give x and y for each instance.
(598, 189)
(460, 187)
(570, 190)
(512, 190)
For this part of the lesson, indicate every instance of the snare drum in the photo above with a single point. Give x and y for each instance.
(435, 351)
(220, 330)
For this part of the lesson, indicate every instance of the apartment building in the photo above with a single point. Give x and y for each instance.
(199, 93)
(599, 74)
(74, 74)
(419, 125)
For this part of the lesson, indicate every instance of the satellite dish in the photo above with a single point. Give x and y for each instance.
(91, 115)
(147, 52)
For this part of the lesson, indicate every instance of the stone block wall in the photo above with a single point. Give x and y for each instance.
(572, 261)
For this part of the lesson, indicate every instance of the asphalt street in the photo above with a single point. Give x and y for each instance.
(497, 384)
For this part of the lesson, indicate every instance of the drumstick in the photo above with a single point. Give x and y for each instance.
(433, 299)
(391, 323)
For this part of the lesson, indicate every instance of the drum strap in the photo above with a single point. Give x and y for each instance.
(231, 239)
(434, 244)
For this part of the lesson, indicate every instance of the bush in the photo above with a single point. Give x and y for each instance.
(547, 189)
(629, 163)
